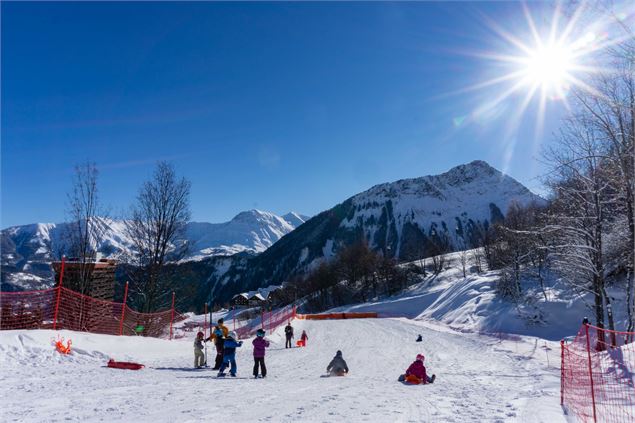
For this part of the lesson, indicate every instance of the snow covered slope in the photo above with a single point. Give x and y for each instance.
(479, 378)
(28, 250)
(470, 304)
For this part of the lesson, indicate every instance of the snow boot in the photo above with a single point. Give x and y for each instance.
(433, 378)
(220, 375)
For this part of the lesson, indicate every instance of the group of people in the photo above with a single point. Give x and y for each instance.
(288, 334)
(226, 343)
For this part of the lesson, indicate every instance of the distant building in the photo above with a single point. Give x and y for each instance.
(258, 298)
(101, 277)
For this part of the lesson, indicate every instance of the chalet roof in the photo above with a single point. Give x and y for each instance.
(261, 294)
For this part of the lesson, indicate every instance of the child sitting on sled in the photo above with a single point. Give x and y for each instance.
(416, 373)
(337, 366)
(229, 354)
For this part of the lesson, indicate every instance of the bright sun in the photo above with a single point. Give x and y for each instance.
(549, 67)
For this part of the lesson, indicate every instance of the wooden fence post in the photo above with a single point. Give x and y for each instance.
(123, 309)
(172, 318)
(59, 293)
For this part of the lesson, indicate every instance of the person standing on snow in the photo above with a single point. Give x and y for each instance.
(260, 343)
(229, 354)
(337, 366)
(416, 373)
(218, 335)
(288, 333)
(304, 337)
(199, 356)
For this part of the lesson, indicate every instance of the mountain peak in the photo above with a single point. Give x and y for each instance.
(295, 219)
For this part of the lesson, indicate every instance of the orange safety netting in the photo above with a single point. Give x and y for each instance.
(62, 308)
(598, 376)
(269, 320)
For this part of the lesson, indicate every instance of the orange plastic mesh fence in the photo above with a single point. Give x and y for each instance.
(598, 376)
(63, 308)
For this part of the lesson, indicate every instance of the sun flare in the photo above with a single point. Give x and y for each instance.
(549, 67)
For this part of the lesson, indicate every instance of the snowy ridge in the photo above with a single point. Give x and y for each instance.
(406, 219)
(28, 250)
(453, 202)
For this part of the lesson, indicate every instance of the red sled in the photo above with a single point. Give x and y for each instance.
(127, 365)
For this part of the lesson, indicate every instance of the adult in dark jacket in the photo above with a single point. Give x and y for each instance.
(218, 335)
(260, 343)
(337, 366)
(288, 333)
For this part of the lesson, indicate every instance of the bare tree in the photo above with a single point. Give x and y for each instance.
(577, 218)
(158, 218)
(86, 227)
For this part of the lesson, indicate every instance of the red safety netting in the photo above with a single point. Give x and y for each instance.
(62, 308)
(598, 376)
(268, 320)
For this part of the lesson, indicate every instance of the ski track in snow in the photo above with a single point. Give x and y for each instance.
(479, 378)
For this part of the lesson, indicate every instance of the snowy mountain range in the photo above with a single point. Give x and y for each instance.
(28, 250)
(407, 219)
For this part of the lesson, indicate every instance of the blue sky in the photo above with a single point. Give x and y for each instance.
(283, 106)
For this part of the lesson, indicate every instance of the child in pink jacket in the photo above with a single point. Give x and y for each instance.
(416, 372)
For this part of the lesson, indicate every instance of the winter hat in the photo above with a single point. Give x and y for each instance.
(220, 321)
(233, 335)
(338, 353)
(420, 357)
(200, 335)
(260, 332)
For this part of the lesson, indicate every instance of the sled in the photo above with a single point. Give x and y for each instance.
(126, 365)
(300, 343)
(412, 380)
(61, 348)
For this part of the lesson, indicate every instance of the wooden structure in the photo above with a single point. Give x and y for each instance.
(101, 277)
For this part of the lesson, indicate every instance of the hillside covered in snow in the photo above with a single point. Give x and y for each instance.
(28, 250)
(406, 219)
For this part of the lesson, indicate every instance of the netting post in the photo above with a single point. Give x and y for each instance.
(561, 372)
(234, 316)
(172, 318)
(123, 309)
(205, 325)
(59, 293)
(588, 349)
(262, 318)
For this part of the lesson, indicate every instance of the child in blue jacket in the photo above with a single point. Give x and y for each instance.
(229, 354)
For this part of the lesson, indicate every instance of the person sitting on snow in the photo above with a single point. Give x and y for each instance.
(229, 354)
(260, 343)
(337, 366)
(416, 373)
(199, 357)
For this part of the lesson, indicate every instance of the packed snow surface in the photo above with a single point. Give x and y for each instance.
(479, 378)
